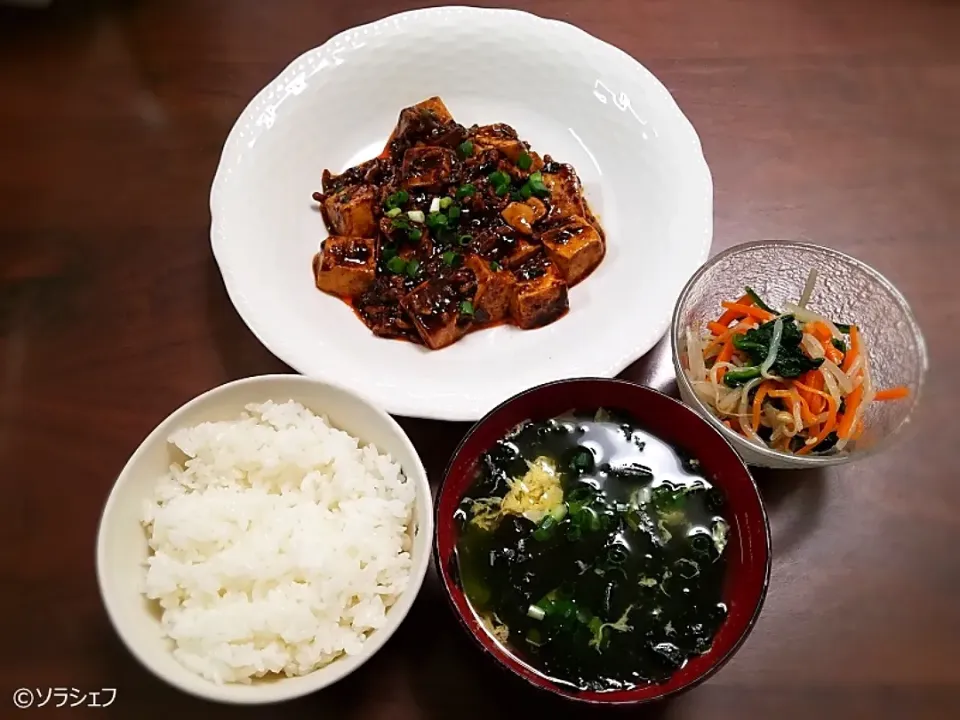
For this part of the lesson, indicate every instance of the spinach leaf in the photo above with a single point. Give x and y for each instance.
(791, 360)
(736, 378)
(758, 301)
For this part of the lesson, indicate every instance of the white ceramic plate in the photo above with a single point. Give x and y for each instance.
(569, 94)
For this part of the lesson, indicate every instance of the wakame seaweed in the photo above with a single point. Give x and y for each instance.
(614, 583)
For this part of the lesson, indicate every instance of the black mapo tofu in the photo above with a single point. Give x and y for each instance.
(575, 247)
(351, 211)
(504, 139)
(425, 122)
(495, 288)
(345, 266)
(443, 308)
(566, 193)
(427, 167)
(450, 229)
(540, 296)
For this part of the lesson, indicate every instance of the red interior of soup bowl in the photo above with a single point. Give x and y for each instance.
(748, 547)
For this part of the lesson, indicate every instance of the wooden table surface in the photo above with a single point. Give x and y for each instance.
(836, 121)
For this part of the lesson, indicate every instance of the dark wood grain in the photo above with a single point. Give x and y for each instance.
(833, 121)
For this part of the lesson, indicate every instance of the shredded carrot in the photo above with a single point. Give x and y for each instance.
(741, 327)
(828, 424)
(832, 354)
(730, 315)
(806, 415)
(751, 310)
(822, 332)
(717, 328)
(807, 397)
(817, 383)
(761, 393)
(854, 349)
(725, 356)
(852, 401)
(896, 393)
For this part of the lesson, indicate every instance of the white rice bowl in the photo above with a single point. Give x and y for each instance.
(278, 546)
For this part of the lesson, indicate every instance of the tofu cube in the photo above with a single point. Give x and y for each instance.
(435, 308)
(427, 167)
(412, 120)
(566, 194)
(350, 212)
(345, 266)
(540, 296)
(518, 252)
(575, 248)
(495, 288)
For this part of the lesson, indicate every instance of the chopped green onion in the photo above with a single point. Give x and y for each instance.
(449, 257)
(393, 212)
(545, 529)
(466, 307)
(388, 251)
(466, 148)
(537, 186)
(498, 178)
(465, 191)
(526, 191)
(435, 205)
(414, 234)
(516, 196)
(453, 213)
(396, 265)
(589, 519)
(445, 203)
(524, 161)
(416, 215)
(536, 612)
(464, 239)
(495, 266)
(396, 199)
(412, 268)
(501, 190)
(436, 220)
(400, 223)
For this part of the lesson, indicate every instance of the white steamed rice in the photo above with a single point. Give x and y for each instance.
(278, 546)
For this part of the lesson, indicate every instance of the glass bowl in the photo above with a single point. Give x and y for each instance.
(847, 291)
